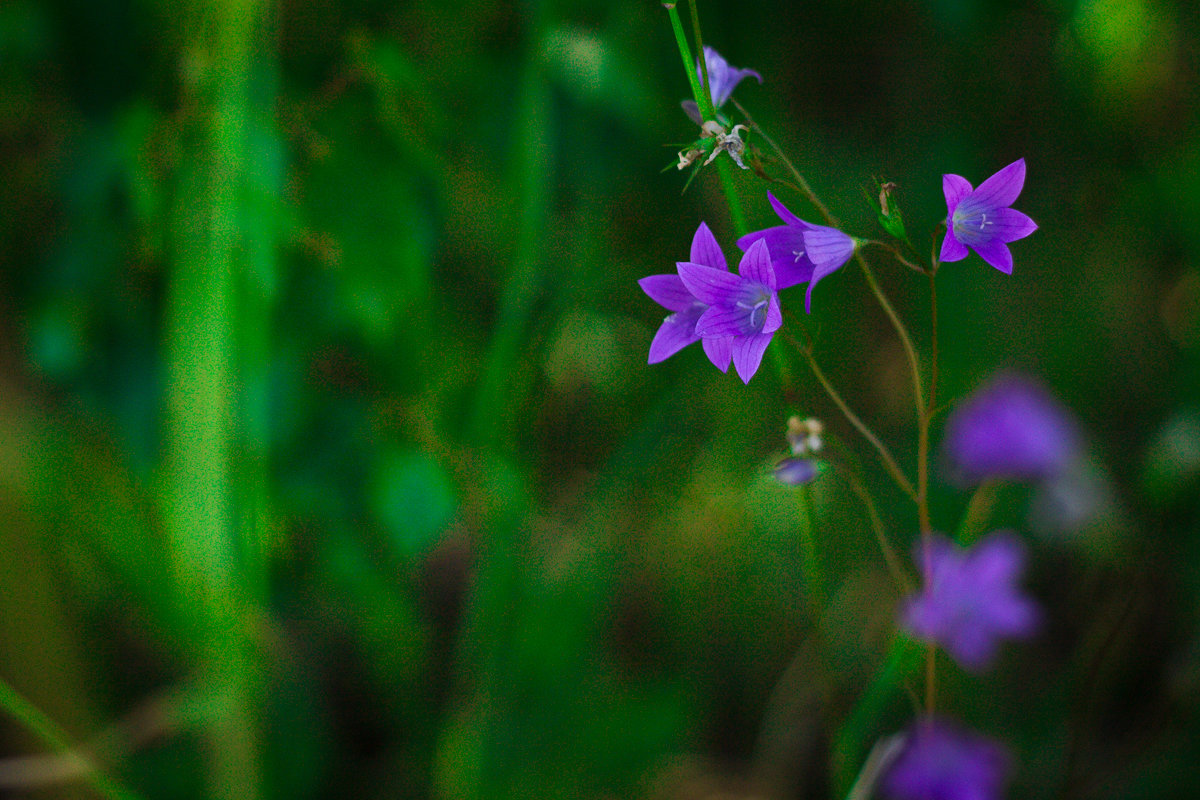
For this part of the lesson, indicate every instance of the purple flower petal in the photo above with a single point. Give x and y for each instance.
(981, 218)
(997, 254)
(668, 291)
(708, 285)
(756, 265)
(955, 187)
(785, 243)
(722, 78)
(828, 246)
(970, 600)
(1002, 188)
(774, 320)
(952, 248)
(1011, 225)
(672, 336)
(705, 250)
(723, 320)
(693, 111)
(784, 214)
(747, 354)
(719, 350)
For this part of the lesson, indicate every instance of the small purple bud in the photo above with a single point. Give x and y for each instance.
(796, 471)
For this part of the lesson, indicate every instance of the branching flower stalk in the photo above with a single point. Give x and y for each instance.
(969, 598)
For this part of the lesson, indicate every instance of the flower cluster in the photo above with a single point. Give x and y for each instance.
(970, 601)
(734, 316)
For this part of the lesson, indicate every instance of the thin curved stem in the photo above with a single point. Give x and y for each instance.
(805, 189)
(899, 576)
(885, 455)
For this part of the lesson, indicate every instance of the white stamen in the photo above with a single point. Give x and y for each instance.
(799, 255)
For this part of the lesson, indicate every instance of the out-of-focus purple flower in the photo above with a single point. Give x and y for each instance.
(678, 330)
(970, 600)
(1010, 428)
(942, 761)
(722, 80)
(796, 471)
(981, 218)
(800, 251)
(743, 306)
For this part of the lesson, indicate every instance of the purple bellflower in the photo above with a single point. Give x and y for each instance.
(800, 251)
(981, 218)
(942, 761)
(743, 306)
(678, 330)
(970, 600)
(1010, 428)
(722, 80)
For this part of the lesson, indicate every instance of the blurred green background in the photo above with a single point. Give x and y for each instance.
(331, 466)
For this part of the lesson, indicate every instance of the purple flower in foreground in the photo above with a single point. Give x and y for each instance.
(722, 80)
(942, 761)
(800, 251)
(970, 600)
(981, 218)
(1011, 428)
(678, 330)
(743, 306)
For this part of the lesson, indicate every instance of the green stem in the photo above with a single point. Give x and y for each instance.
(703, 98)
(56, 739)
(810, 558)
(899, 576)
(801, 183)
(202, 345)
(885, 455)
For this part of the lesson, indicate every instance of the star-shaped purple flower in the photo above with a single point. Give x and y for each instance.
(722, 80)
(970, 600)
(678, 330)
(800, 251)
(942, 761)
(1010, 428)
(743, 306)
(981, 218)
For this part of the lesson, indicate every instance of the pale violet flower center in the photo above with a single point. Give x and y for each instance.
(755, 302)
(973, 223)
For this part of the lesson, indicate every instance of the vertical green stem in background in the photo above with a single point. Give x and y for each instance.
(466, 763)
(202, 382)
(704, 102)
(32, 718)
(498, 398)
(885, 455)
(810, 559)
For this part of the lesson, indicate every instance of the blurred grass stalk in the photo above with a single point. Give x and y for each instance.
(215, 579)
(466, 765)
